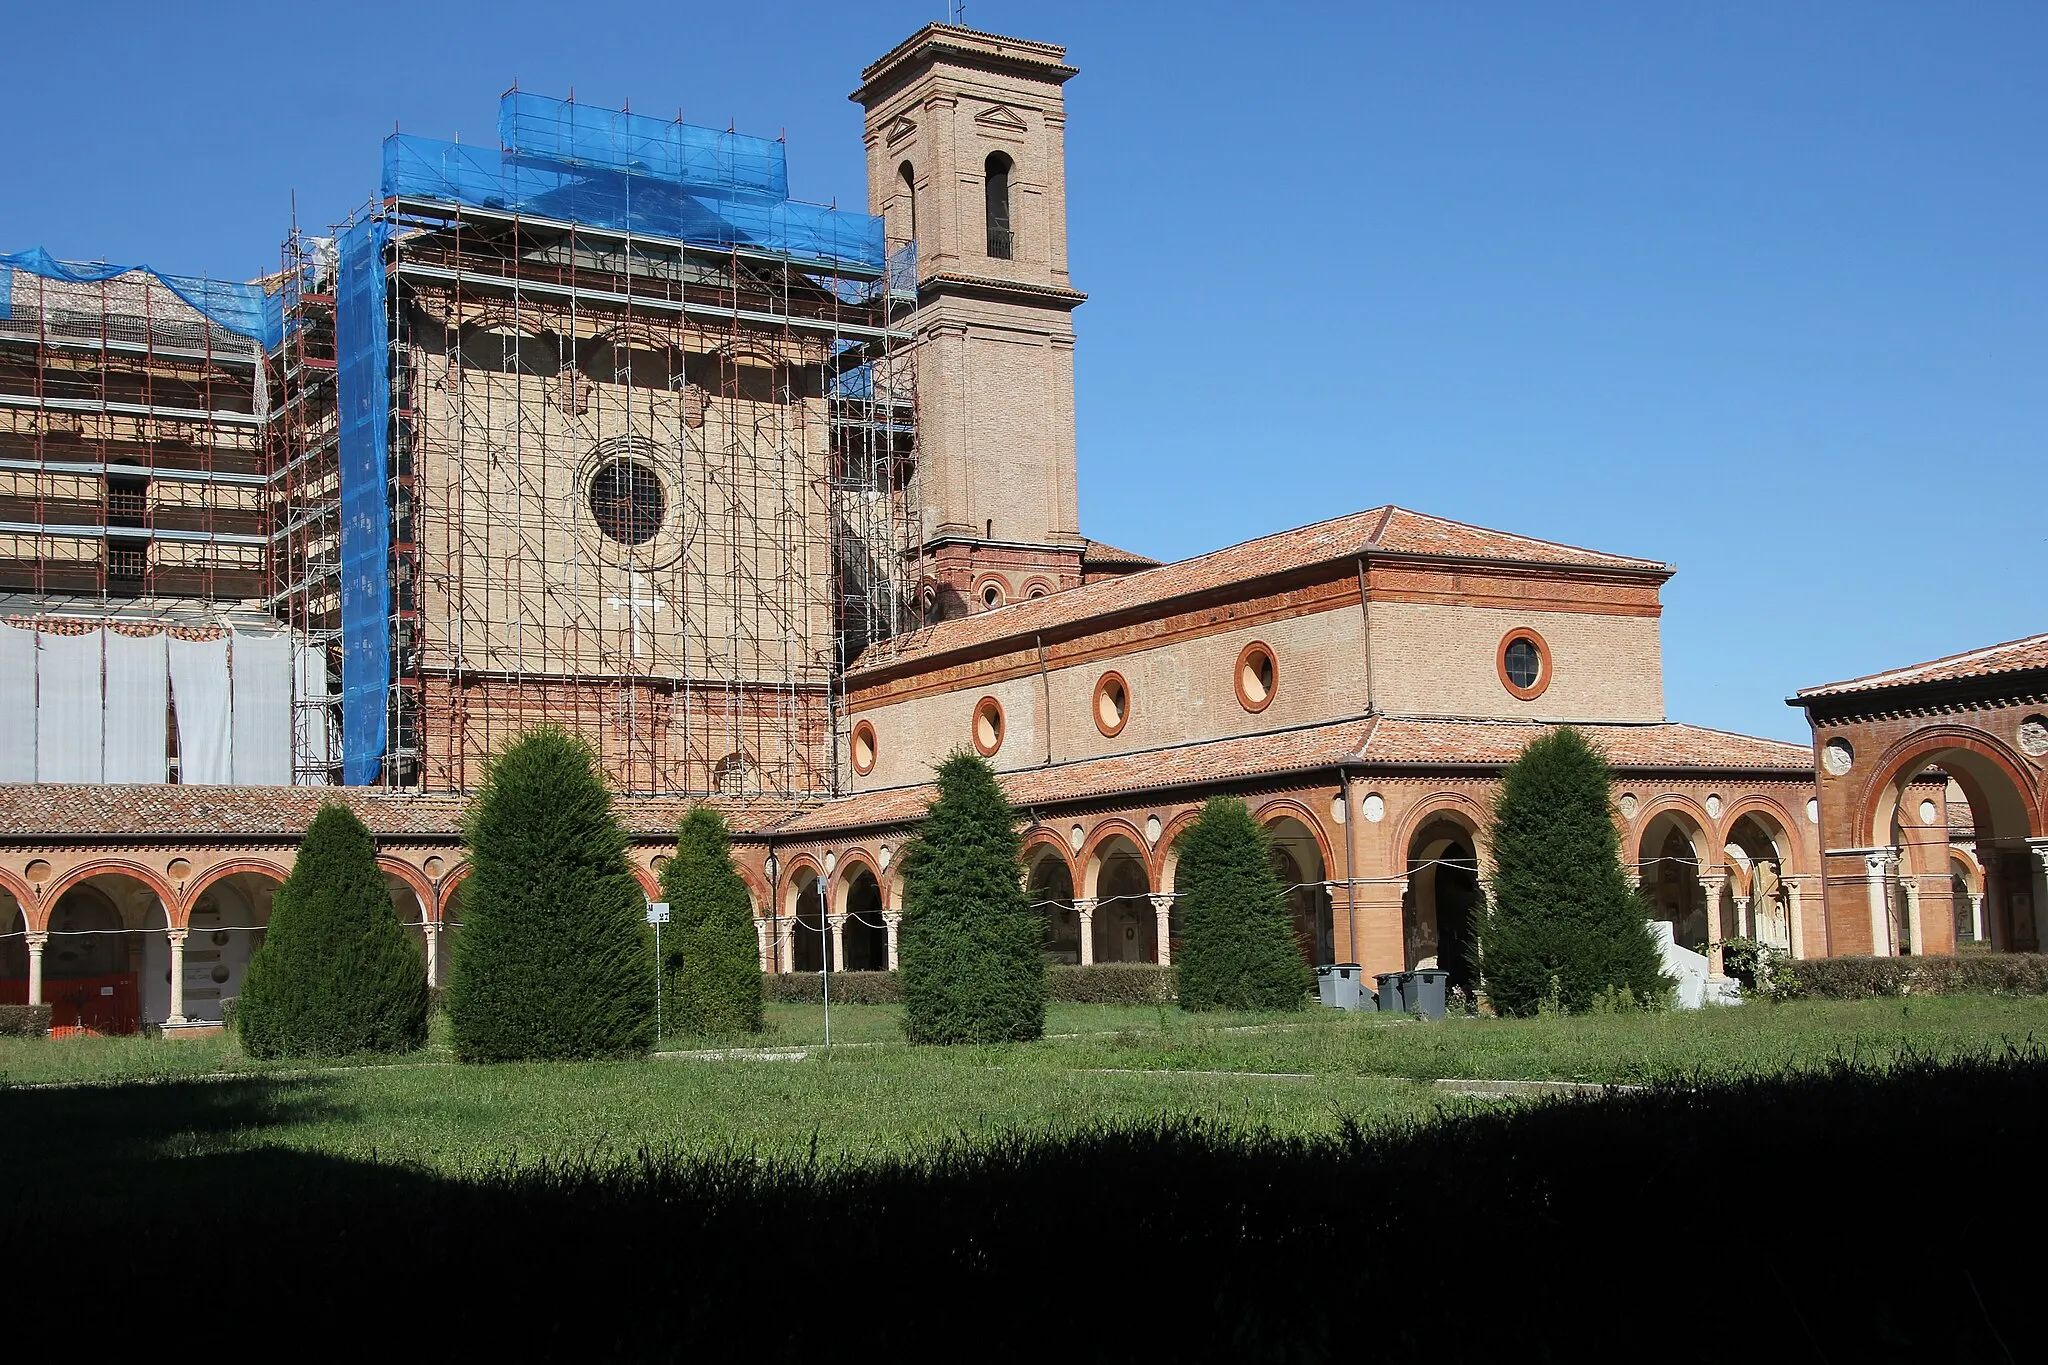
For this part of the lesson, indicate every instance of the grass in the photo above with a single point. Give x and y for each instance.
(1304, 1075)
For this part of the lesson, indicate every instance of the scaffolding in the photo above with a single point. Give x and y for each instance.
(646, 469)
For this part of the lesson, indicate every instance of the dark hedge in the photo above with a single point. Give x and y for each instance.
(337, 973)
(24, 1021)
(1237, 948)
(713, 971)
(1861, 978)
(552, 959)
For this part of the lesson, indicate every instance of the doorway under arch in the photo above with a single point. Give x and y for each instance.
(1668, 864)
(1126, 926)
(864, 933)
(1298, 863)
(1049, 887)
(1906, 817)
(1440, 909)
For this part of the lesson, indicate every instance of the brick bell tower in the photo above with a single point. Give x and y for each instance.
(966, 141)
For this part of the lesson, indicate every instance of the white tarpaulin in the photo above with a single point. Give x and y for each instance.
(199, 683)
(17, 704)
(137, 687)
(311, 682)
(263, 709)
(68, 718)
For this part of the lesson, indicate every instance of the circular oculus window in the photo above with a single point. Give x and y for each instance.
(862, 746)
(988, 726)
(1257, 676)
(627, 501)
(1524, 664)
(1112, 703)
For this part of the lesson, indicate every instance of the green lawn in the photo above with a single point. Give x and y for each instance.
(1299, 1073)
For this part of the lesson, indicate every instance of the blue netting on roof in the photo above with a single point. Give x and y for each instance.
(363, 381)
(625, 173)
(607, 139)
(244, 309)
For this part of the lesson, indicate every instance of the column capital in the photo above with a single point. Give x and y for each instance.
(2040, 850)
(1878, 861)
(37, 940)
(1084, 906)
(1162, 901)
(177, 935)
(892, 917)
(836, 920)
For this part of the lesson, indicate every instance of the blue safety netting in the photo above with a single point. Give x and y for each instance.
(632, 174)
(610, 139)
(244, 309)
(363, 383)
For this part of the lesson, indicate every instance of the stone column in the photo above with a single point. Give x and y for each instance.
(838, 923)
(1911, 886)
(1976, 916)
(1742, 925)
(1162, 910)
(1084, 910)
(785, 933)
(761, 942)
(36, 943)
(432, 929)
(1710, 887)
(1877, 885)
(1795, 922)
(892, 921)
(177, 937)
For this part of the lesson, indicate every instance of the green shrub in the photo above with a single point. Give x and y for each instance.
(552, 961)
(24, 1021)
(1111, 983)
(713, 967)
(971, 946)
(848, 988)
(1864, 978)
(1237, 948)
(1565, 927)
(337, 973)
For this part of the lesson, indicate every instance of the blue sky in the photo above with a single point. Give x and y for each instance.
(1759, 289)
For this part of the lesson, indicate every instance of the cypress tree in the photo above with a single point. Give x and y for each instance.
(552, 960)
(337, 973)
(1565, 923)
(713, 966)
(972, 951)
(1237, 949)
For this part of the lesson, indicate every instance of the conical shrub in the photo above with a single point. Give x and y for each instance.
(1237, 949)
(972, 954)
(551, 959)
(337, 973)
(1565, 925)
(713, 957)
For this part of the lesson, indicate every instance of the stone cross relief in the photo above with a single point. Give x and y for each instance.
(633, 604)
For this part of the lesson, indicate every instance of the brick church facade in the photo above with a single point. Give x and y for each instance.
(887, 434)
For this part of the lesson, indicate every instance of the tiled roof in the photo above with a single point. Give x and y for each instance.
(1664, 745)
(1388, 740)
(164, 811)
(2013, 656)
(1095, 554)
(1380, 530)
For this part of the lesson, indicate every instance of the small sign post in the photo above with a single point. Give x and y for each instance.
(657, 915)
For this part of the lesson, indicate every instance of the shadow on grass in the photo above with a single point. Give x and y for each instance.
(1811, 1216)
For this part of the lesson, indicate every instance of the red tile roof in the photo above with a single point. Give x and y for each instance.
(1364, 743)
(1381, 531)
(1094, 554)
(29, 811)
(2013, 656)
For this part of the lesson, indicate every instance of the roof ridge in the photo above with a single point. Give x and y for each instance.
(1517, 535)
(1977, 653)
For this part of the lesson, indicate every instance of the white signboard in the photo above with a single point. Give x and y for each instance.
(657, 912)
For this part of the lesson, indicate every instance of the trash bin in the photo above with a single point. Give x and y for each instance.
(1391, 984)
(1425, 992)
(1337, 985)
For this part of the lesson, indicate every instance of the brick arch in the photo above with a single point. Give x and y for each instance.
(850, 864)
(24, 894)
(1109, 829)
(1044, 836)
(1758, 804)
(1286, 808)
(1472, 815)
(174, 909)
(422, 886)
(1169, 856)
(1693, 811)
(451, 882)
(790, 867)
(756, 898)
(1919, 747)
(220, 872)
(1973, 870)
